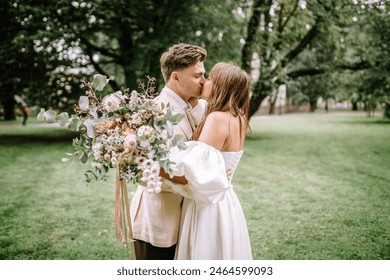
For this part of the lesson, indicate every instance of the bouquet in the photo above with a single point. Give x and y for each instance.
(126, 129)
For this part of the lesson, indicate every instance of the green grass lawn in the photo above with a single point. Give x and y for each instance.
(311, 186)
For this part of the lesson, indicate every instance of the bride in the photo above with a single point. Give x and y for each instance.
(213, 225)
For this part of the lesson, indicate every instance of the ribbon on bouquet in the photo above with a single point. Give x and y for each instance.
(123, 225)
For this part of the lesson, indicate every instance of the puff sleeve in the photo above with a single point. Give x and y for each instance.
(204, 168)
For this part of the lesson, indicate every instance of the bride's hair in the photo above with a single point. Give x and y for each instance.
(230, 93)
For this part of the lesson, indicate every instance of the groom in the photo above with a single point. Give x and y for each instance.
(156, 216)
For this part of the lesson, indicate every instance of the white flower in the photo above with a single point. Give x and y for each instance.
(97, 149)
(133, 99)
(139, 160)
(107, 157)
(158, 185)
(145, 144)
(147, 132)
(111, 103)
(151, 181)
(155, 169)
(148, 163)
(150, 154)
(146, 173)
(114, 161)
(130, 141)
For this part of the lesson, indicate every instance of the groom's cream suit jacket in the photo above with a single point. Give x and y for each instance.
(156, 216)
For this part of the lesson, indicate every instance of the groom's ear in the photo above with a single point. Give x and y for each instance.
(175, 76)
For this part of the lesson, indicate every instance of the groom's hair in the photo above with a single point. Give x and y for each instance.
(180, 56)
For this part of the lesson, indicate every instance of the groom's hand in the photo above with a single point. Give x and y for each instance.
(178, 180)
(229, 173)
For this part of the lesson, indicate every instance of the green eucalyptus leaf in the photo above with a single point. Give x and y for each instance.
(100, 81)
(50, 116)
(167, 116)
(176, 118)
(74, 123)
(93, 111)
(169, 127)
(84, 102)
(62, 118)
(90, 128)
(41, 116)
(83, 157)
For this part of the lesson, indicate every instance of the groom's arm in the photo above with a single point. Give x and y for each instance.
(176, 179)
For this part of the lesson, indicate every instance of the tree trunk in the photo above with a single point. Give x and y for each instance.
(272, 102)
(354, 106)
(8, 103)
(386, 112)
(153, 62)
(313, 105)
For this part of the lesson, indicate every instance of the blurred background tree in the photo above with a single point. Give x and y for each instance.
(320, 48)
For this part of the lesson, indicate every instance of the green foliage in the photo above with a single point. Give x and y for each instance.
(52, 46)
(301, 39)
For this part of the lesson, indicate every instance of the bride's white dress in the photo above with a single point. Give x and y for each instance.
(213, 225)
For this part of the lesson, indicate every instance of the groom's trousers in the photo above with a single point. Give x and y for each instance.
(146, 251)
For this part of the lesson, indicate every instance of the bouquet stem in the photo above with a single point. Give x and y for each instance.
(123, 225)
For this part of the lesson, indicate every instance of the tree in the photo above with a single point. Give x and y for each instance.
(21, 65)
(279, 32)
(121, 39)
(373, 83)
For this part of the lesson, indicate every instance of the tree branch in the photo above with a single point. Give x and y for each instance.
(99, 69)
(103, 51)
(305, 72)
(283, 25)
(315, 71)
(254, 23)
(301, 46)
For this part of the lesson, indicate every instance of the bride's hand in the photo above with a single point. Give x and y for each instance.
(193, 101)
(206, 90)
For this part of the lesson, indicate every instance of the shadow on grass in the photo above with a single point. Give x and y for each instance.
(258, 137)
(50, 137)
(360, 121)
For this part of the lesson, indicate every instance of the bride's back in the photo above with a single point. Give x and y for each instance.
(224, 132)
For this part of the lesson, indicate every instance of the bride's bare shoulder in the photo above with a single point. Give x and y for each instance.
(219, 116)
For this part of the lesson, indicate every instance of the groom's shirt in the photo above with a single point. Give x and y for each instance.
(183, 104)
(196, 112)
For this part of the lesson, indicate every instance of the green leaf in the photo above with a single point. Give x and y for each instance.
(100, 81)
(84, 102)
(41, 116)
(176, 118)
(178, 140)
(75, 123)
(90, 128)
(169, 128)
(62, 118)
(93, 111)
(50, 116)
(83, 157)
(167, 116)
